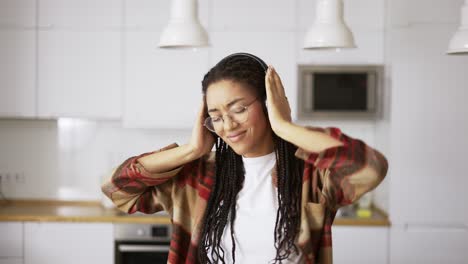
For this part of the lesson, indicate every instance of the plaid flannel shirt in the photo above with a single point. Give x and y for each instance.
(332, 178)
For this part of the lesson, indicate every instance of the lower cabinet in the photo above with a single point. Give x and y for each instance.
(363, 245)
(71, 243)
(11, 261)
(11, 242)
(77, 243)
(429, 244)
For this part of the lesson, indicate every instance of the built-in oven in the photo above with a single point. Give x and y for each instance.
(142, 243)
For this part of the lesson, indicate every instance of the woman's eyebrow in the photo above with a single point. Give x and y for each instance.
(227, 105)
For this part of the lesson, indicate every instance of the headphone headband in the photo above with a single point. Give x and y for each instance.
(260, 61)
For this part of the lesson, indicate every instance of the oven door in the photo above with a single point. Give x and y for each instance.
(141, 252)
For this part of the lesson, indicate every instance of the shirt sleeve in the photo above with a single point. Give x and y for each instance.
(341, 175)
(131, 188)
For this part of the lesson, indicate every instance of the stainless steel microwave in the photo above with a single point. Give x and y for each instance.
(339, 91)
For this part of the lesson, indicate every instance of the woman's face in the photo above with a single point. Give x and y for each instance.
(251, 138)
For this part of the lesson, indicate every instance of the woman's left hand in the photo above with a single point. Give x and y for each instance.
(279, 111)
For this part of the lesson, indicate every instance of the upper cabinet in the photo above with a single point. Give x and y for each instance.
(80, 59)
(18, 58)
(257, 16)
(404, 13)
(100, 59)
(162, 87)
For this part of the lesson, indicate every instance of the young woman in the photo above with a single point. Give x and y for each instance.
(270, 191)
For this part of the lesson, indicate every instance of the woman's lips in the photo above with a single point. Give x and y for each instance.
(237, 136)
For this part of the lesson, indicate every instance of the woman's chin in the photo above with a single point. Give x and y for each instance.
(239, 149)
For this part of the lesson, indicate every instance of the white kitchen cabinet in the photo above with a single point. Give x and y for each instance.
(429, 244)
(72, 243)
(18, 13)
(88, 15)
(79, 74)
(405, 13)
(162, 87)
(80, 59)
(11, 240)
(360, 245)
(254, 16)
(152, 16)
(11, 261)
(18, 58)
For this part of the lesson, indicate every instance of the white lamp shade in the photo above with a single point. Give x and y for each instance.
(184, 29)
(329, 29)
(459, 42)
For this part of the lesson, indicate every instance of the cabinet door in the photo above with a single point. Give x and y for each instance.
(79, 74)
(257, 16)
(162, 87)
(11, 261)
(360, 245)
(72, 243)
(18, 58)
(429, 244)
(79, 53)
(11, 240)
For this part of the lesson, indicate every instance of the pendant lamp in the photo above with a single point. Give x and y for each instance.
(329, 31)
(459, 43)
(184, 29)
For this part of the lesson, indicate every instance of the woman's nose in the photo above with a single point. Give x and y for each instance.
(229, 123)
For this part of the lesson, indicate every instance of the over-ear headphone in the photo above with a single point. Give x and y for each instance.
(245, 54)
(260, 61)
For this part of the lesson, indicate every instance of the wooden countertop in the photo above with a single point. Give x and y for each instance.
(378, 218)
(72, 211)
(93, 211)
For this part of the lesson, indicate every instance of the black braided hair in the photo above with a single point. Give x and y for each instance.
(229, 177)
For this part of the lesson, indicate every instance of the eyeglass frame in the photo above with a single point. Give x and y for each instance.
(246, 107)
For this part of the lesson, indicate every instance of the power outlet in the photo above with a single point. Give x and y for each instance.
(19, 177)
(12, 177)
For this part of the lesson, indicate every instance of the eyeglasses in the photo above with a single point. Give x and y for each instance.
(238, 113)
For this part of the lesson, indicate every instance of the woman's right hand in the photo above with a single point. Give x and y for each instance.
(201, 141)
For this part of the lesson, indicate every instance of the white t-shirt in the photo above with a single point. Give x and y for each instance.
(256, 208)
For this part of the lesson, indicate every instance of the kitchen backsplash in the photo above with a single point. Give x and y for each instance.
(69, 158)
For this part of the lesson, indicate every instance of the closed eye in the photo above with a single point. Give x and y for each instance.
(215, 118)
(239, 110)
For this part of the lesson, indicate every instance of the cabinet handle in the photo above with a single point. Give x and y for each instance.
(143, 248)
